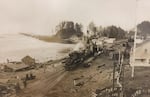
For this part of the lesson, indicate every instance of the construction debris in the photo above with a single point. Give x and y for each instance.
(101, 66)
(6, 90)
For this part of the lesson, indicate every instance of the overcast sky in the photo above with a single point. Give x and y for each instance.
(41, 16)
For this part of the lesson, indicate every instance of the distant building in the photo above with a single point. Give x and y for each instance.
(109, 40)
(139, 39)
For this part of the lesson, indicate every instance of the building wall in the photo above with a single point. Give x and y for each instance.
(142, 54)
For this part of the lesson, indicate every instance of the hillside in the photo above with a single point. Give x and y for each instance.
(68, 29)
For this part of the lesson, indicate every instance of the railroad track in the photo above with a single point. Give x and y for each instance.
(43, 86)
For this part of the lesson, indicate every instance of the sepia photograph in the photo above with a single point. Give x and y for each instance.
(74, 48)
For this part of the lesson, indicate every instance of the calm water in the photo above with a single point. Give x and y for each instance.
(15, 46)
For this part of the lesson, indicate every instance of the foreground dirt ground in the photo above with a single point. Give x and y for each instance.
(96, 76)
(60, 83)
(141, 78)
(82, 82)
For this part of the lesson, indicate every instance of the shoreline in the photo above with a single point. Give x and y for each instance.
(47, 38)
(22, 46)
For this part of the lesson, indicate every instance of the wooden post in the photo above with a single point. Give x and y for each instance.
(135, 34)
(119, 59)
(44, 67)
(132, 74)
(114, 70)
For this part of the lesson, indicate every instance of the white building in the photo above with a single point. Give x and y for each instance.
(141, 57)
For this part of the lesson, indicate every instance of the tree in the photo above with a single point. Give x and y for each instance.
(60, 26)
(100, 30)
(114, 32)
(67, 29)
(144, 28)
(69, 25)
(78, 27)
(28, 60)
(92, 27)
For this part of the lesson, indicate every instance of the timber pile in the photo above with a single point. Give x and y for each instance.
(77, 59)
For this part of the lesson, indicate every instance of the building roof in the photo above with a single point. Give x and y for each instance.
(16, 66)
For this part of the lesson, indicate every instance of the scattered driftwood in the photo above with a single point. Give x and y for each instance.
(78, 82)
(101, 66)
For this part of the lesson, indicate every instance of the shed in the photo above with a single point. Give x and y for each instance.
(10, 67)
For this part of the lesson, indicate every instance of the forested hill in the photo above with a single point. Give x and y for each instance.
(68, 29)
(144, 28)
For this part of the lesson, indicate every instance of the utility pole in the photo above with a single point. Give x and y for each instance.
(135, 34)
(123, 67)
(119, 59)
(114, 70)
(122, 76)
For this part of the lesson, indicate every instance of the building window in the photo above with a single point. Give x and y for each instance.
(146, 50)
(140, 60)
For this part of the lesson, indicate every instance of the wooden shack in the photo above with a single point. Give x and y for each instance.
(10, 67)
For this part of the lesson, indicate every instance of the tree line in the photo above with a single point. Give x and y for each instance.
(66, 29)
(110, 31)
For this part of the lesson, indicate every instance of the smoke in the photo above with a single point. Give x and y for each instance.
(79, 46)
